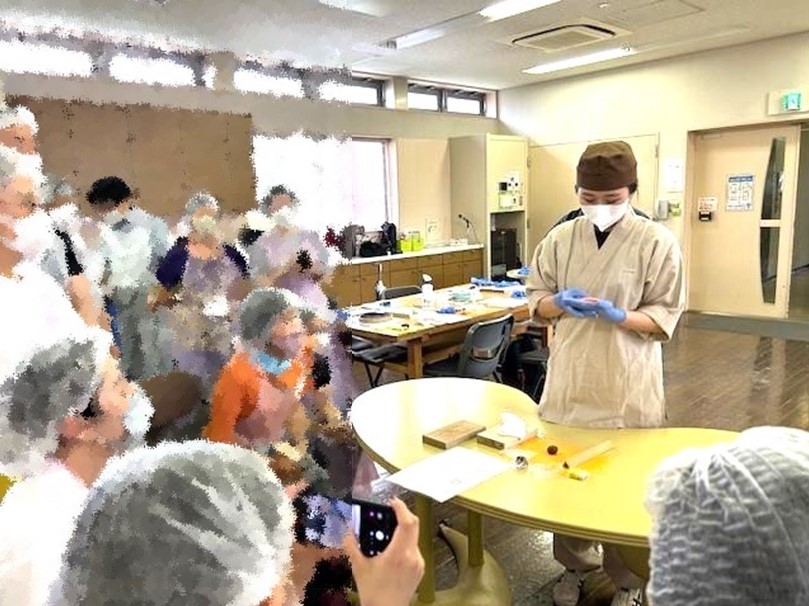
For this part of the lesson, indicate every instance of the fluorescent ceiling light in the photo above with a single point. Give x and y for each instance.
(613, 53)
(433, 32)
(509, 8)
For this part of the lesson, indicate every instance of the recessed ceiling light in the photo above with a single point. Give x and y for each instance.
(555, 66)
(509, 8)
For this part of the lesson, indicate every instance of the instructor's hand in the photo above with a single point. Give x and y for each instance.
(570, 301)
(601, 308)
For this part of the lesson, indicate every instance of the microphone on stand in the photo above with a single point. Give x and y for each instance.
(469, 226)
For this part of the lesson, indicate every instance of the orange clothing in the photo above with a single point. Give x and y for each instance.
(236, 392)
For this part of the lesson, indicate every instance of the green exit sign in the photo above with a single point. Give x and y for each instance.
(791, 102)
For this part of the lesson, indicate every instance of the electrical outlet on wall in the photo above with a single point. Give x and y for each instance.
(432, 230)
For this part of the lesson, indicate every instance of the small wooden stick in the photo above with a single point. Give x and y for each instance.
(585, 455)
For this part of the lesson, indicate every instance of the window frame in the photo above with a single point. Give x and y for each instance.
(444, 93)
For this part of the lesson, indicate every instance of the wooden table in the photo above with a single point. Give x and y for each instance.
(608, 506)
(428, 343)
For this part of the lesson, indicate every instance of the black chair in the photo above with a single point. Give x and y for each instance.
(482, 352)
(539, 359)
(377, 356)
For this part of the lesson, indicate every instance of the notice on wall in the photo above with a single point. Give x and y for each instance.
(674, 175)
(707, 204)
(740, 192)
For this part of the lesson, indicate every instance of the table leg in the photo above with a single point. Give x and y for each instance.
(474, 523)
(481, 580)
(424, 511)
(415, 363)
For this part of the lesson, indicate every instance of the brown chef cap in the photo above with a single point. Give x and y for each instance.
(607, 166)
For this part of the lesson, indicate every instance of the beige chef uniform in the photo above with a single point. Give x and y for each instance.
(599, 373)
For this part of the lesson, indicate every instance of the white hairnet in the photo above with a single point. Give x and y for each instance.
(199, 200)
(193, 523)
(732, 523)
(260, 310)
(19, 115)
(40, 392)
(16, 164)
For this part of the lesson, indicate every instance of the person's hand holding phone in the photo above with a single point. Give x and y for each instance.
(390, 578)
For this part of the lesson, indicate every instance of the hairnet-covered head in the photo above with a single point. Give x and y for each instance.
(279, 196)
(18, 116)
(196, 523)
(731, 523)
(15, 164)
(49, 384)
(200, 200)
(260, 310)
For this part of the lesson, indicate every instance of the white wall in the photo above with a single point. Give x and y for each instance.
(721, 88)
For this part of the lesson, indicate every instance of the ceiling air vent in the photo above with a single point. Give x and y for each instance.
(565, 37)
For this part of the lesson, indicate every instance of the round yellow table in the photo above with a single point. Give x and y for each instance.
(607, 506)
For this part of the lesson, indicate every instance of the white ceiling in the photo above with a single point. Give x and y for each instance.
(310, 33)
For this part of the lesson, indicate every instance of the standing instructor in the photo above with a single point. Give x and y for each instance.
(612, 283)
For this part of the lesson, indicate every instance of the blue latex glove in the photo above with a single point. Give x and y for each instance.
(570, 302)
(603, 309)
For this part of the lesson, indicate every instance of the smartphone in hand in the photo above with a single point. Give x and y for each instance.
(373, 525)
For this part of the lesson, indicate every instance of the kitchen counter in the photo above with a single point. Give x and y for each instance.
(435, 250)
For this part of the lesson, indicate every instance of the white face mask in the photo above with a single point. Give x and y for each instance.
(35, 234)
(138, 418)
(205, 226)
(114, 216)
(604, 216)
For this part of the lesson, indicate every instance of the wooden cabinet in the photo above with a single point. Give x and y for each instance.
(471, 265)
(433, 266)
(369, 276)
(344, 287)
(404, 272)
(356, 284)
(461, 267)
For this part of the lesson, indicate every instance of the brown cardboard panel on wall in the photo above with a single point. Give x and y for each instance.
(167, 154)
(157, 160)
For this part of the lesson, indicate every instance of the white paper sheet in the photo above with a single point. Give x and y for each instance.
(450, 473)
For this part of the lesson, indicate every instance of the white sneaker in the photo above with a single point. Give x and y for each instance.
(567, 590)
(628, 597)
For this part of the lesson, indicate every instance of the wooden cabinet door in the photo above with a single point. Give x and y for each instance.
(433, 266)
(345, 286)
(472, 269)
(405, 272)
(453, 275)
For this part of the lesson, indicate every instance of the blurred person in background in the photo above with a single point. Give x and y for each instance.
(201, 279)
